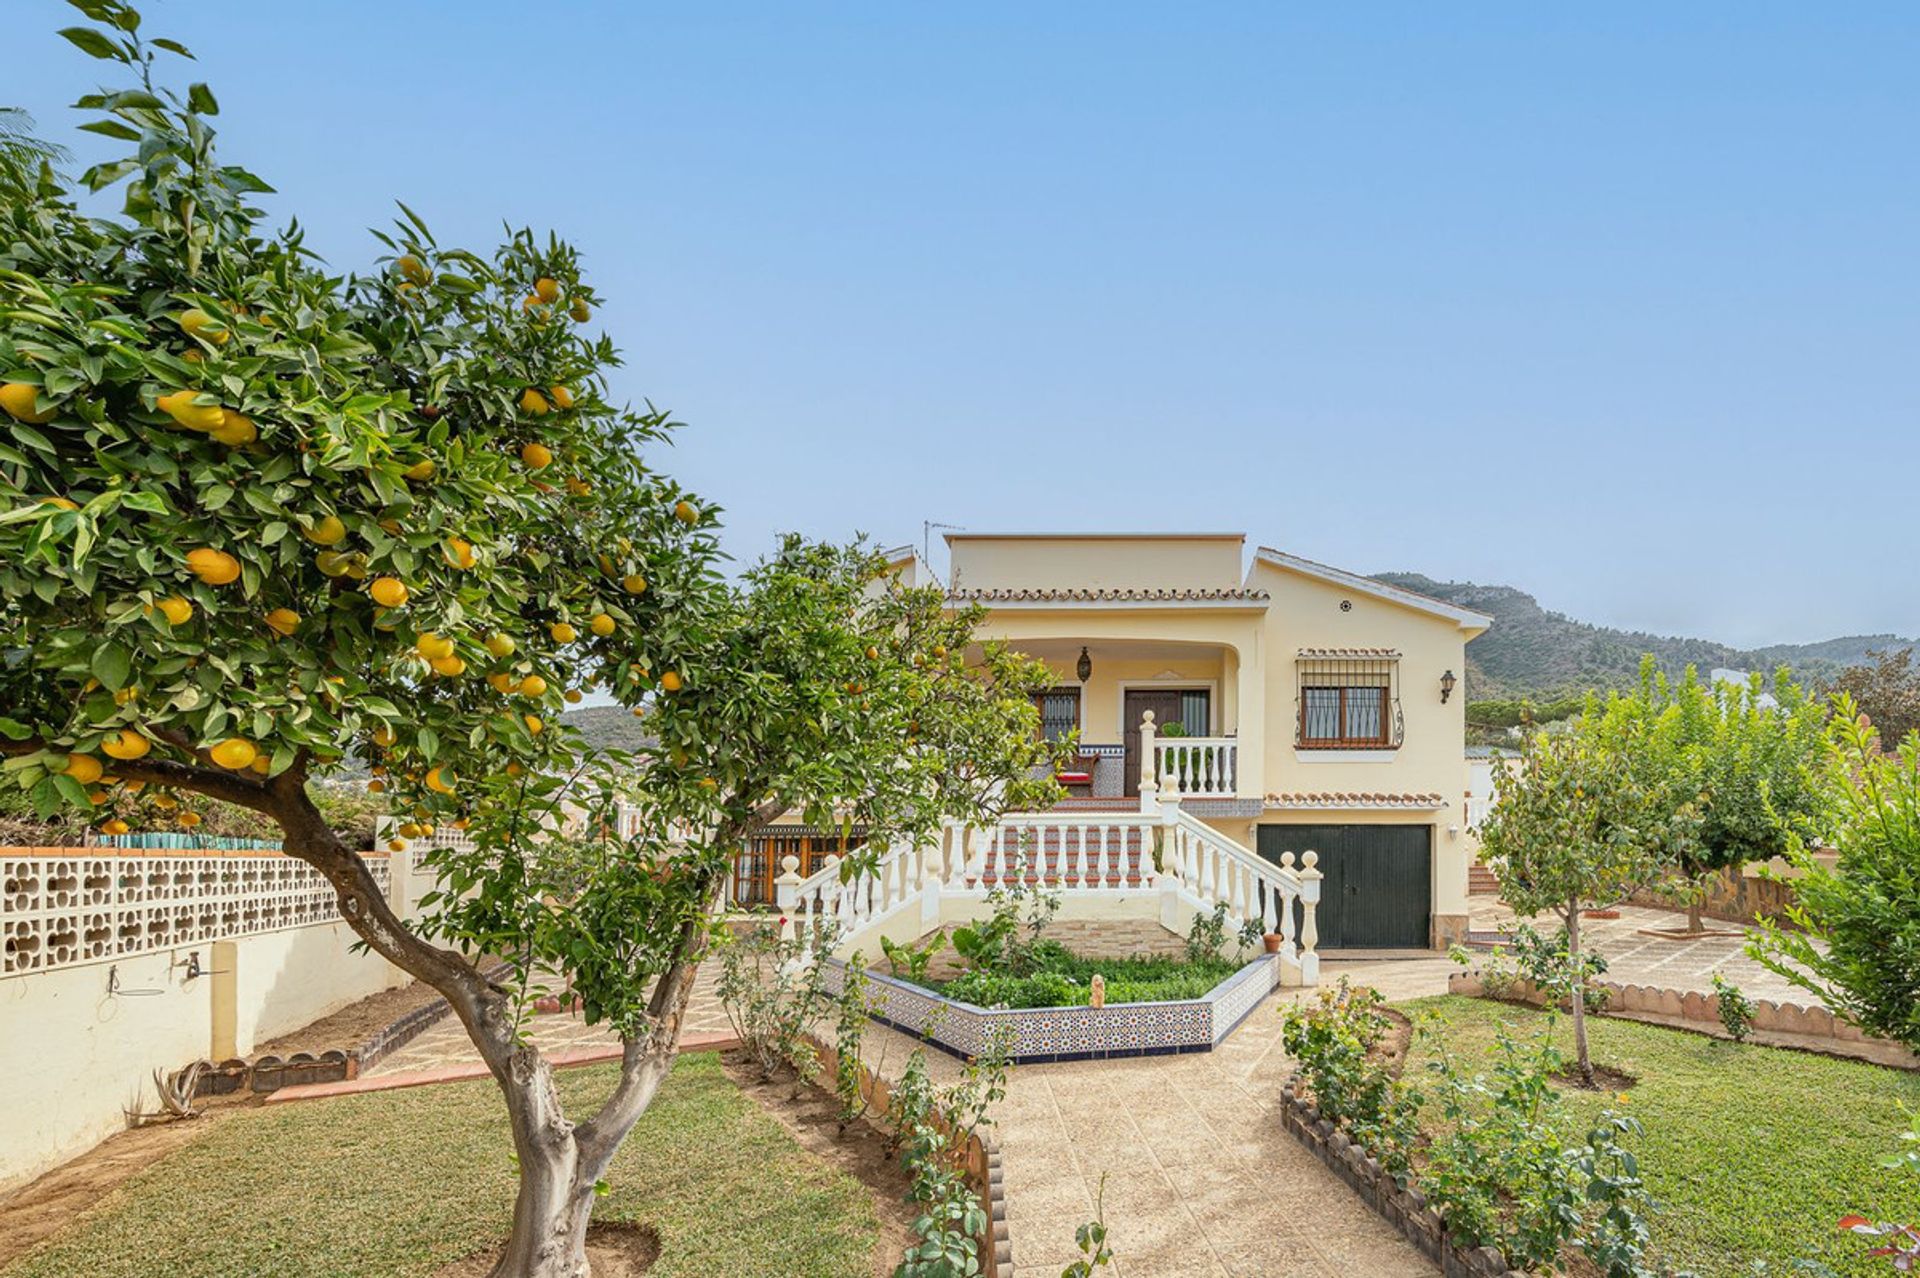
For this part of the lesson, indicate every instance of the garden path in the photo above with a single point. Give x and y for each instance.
(1201, 1181)
(1637, 959)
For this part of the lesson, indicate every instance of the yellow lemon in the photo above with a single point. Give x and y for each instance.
(189, 819)
(634, 583)
(283, 621)
(580, 311)
(388, 592)
(176, 610)
(328, 531)
(500, 645)
(684, 512)
(563, 633)
(165, 802)
(432, 646)
(533, 686)
(114, 827)
(376, 786)
(262, 765)
(235, 753)
(383, 736)
(561, 396)
(578, 486)
(602, 624)
(449, 666)
(411, 267)
(669, 682)
(537, 456)
(573, 696)
(547, 289)
(17, 399)
(395, 845)
(235, 429)
(459, 553)
(215, 567)
(502, 682)
(126, 744)
(181, 407)
(84, 768)
(437, 783)
(198, 323)
(534, 403)
(534, 725)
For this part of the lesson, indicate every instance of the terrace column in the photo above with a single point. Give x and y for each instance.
(1309, 925)
(1149, 782)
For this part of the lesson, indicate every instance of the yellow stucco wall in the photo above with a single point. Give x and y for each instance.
(984, 561)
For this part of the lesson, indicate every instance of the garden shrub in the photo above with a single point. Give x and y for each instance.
(1009, 940)
(1735, 1008)
(1063, 981)
(1501, 1175)
(934, 1126)
(1333, 1040)
(771, 990)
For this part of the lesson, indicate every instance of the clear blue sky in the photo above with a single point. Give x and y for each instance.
(1618, 305)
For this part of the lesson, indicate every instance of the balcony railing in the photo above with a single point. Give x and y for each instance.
(1197, 765)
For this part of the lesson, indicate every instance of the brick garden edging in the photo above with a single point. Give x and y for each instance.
(1402, 1207)
(270, 1073)
(1699, 1007)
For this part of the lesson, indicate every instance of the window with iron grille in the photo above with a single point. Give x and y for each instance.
(1348, 701)
(1059, 712)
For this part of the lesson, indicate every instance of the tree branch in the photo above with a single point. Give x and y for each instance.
(229, 787)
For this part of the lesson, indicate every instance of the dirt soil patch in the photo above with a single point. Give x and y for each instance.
(1605, 1078)
(38, 1209)
(353, 1024)
(613, 1251)
(812, 1115)
(1682, 934)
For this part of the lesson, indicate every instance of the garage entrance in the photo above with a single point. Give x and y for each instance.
(1377, 892)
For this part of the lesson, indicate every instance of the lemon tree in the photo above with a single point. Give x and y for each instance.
(260, 520)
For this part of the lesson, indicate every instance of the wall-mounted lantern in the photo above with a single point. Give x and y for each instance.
(1446, 686)
(1084, 667)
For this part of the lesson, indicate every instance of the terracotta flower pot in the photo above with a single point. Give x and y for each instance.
(1272, 941)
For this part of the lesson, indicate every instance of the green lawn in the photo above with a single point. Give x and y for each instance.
(1067, 979)
(1753, 1152)
(402, 1182)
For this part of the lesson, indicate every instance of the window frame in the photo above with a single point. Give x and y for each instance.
(1384, 700)
(1073, 690)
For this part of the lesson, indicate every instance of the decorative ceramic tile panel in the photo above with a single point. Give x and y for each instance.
(58, 911)
(1049, 1033)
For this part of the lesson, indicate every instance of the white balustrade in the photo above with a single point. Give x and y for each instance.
(1207, 766)
(1217, 870)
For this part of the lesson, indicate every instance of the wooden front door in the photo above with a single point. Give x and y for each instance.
(1165, 704)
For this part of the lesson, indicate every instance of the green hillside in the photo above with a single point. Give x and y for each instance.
(609, 727)
(1531, 651)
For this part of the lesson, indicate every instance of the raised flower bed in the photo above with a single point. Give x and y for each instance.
(1037, 1035)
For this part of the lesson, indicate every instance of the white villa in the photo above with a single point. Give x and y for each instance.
(1262, 731)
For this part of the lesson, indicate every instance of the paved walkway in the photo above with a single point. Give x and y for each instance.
(1634, 958)
(445, 1045)
(1201, 1179)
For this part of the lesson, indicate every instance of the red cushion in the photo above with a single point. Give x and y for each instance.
(1074, 778)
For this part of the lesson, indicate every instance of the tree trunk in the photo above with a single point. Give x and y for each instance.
(1579, 995)
(551, 1208)
(1693, 912)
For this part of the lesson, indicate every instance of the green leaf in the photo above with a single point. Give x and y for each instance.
(112, 129)
(172, 46)
(13, 729)
(111, 664)
(93, 43)
(200, 99)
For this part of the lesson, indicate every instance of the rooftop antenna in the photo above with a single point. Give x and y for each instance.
(926, 537)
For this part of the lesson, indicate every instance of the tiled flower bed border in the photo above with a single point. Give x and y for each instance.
(1041, 1034)
(1692, 1005)
(1403, 1207)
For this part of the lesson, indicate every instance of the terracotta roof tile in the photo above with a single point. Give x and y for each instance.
(1350, 654)
(1356, 800)
(1111, 594)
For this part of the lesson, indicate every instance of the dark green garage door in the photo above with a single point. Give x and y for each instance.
(1377, 892)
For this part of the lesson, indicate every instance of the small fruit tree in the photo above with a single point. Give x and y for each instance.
(1582, 823)
(257, 520)
(1746, 756)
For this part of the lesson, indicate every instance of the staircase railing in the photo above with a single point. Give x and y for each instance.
(1169, 855)
(1217, 870)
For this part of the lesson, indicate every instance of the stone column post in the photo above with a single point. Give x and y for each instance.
(1149, 782)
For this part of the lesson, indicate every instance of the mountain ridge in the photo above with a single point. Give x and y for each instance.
(1533, 650)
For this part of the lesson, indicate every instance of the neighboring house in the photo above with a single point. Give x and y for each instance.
(1290, 705)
